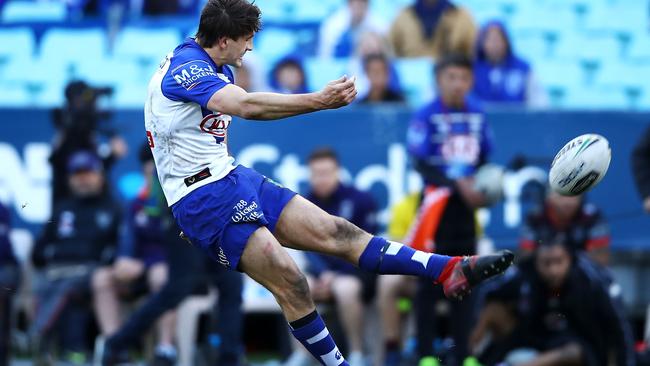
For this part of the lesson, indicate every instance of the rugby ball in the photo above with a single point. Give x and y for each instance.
(580, 165)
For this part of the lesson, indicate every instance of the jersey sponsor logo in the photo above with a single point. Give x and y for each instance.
(189, 74)
(216, 125)
(245, 212)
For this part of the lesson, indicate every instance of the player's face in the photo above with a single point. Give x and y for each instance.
(86, 183)
(236, 48)
(324, 177)
(553, 264)
(453, 84)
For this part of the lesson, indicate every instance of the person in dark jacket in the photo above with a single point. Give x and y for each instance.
(641, 168)
(500, 75)
(332, 279)
(76, 246)
(556, 307)
(581, 222)
(9, 281)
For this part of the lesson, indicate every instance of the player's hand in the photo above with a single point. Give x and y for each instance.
(338, 93)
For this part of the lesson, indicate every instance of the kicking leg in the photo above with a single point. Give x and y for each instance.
(302, 225)
(265, 261)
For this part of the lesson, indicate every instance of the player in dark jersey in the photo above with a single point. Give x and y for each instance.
(241, 218)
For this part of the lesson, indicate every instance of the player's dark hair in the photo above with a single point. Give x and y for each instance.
(323, 153)
(456, 60)
(375, 57)
(227, 18)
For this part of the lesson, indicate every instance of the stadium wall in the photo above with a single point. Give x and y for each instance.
(371, 147)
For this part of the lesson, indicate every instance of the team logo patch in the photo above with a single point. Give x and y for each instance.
(190, 74)
(216, 124)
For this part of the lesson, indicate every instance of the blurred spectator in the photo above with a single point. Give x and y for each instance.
(251, 75)
(371, 43)
(288, 76)
(500, 76)
(641, 168)
(390, 289)
(449, 139)
(189, 269)
(340, 33)
(377, 69)
(582, 224)
(331, 279)
(433, 28)
(140, 264)
(554, 308)
(9, 281)
(76, 246)
(81, 125)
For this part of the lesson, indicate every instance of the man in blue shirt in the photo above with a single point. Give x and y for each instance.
(448, 140)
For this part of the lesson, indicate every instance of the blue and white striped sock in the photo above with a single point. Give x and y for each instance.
(312, 333)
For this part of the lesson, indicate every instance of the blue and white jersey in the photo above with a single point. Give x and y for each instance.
(188, 140)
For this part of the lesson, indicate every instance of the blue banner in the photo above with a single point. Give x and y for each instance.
(370, 142)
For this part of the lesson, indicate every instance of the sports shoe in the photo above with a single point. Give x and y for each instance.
(470, 271)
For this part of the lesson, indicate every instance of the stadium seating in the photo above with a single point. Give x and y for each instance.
(25, 11)
(604, 43)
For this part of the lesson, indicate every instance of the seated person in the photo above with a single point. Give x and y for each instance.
(500, 75)
(288, 76)
(377, 69)
(581, 222)
(76, 246)
(9, 281)
(331, 279)
(556, 307)
(141, 263)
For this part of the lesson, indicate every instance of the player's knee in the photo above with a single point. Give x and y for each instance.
(294, 287)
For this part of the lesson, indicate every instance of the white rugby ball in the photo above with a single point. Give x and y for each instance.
(580, 165)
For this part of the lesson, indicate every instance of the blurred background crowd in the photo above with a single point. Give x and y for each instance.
(92, 268)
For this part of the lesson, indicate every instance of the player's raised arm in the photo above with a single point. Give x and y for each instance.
(234, 100)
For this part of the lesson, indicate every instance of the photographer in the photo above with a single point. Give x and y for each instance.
(81, 126)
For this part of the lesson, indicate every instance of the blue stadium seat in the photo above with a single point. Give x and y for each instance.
(274, 43)
(33, 11)
(16, 43)
(537, 17)
(147, 46)
(626, 75)
(321, 71)
(588, 47)
(14, 96)
(111, 72)
(66, 46)
(618, 16)
(597, 98)
(639, 49)
(531, 46)
(416, 79)
(559, 74)
(130, 96)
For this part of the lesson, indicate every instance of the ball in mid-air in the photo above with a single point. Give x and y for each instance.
(580, 165)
